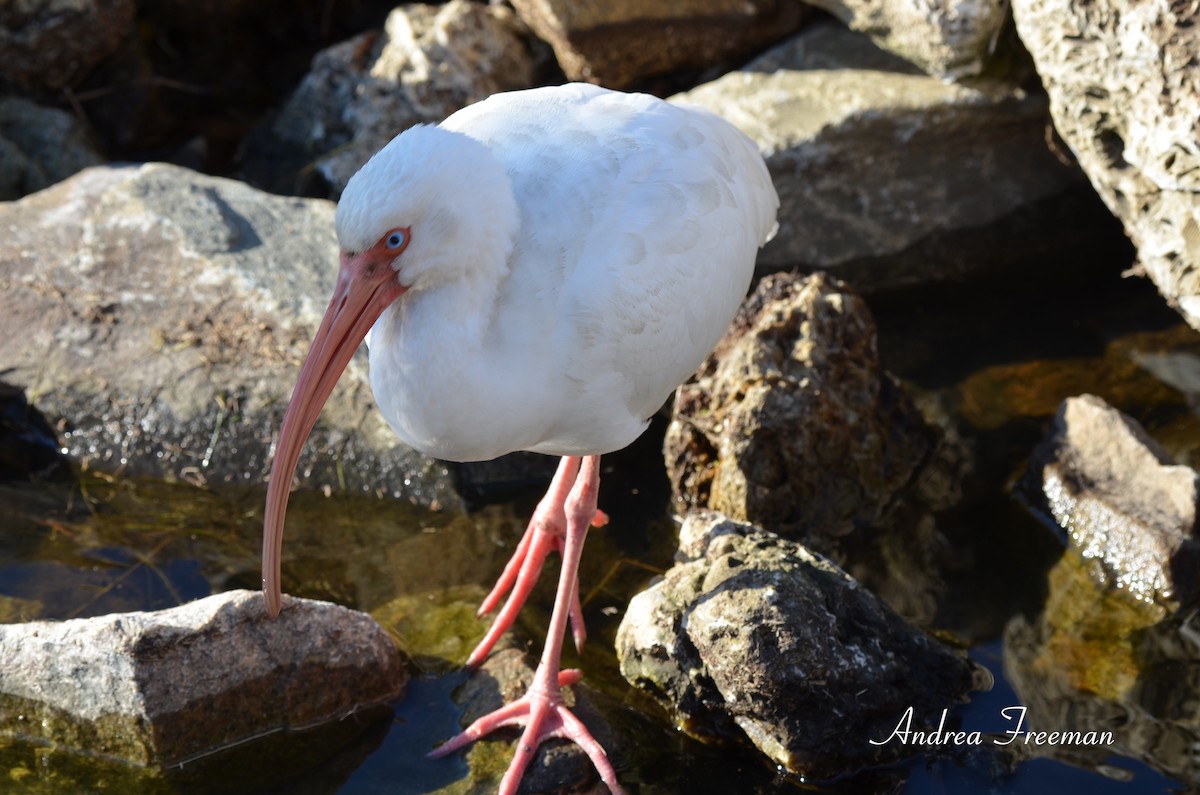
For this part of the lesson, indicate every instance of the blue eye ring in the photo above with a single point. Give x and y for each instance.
(396, 239)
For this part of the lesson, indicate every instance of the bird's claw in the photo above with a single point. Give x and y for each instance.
(544, 716)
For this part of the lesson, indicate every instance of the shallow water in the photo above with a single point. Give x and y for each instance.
(997, 358)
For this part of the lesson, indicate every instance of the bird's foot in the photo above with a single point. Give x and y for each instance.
(544, 715)
(546, 533)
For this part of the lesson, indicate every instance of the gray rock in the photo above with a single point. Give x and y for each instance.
(754, 633)
(1124, 86)
(889, 177)
(1122, 501)
(161, 688)
(615, 44)
(48, 44)
(163, 316)
(947, 39)
(39, 146)
(427, 63)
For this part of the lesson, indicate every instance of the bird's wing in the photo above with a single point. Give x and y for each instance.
(640, 225)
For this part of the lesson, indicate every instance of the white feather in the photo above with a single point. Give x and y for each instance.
(576, 253)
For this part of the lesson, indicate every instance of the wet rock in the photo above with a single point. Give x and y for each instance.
(754, 634)
(879, 167)
(28, 445)
(947, 39)
(1122, 501)
(163, 316)
(161, 688)
(39, 146)
(48, 44)
(1104, 665)
(559, 766)
(1124, 86)
(615, 44)
(792, 423)
(427, 63)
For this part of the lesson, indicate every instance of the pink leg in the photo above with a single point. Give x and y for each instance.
(542, 709)
(545, 534)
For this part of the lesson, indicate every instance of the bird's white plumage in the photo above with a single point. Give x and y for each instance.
(575, 254)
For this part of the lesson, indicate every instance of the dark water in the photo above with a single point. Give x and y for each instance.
(998, 358)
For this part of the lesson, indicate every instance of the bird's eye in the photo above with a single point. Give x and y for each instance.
(397, 239)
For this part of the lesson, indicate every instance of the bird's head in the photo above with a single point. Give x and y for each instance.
(432, 207)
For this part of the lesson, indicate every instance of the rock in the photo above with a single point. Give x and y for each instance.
(754, 633)
(28, 445)
(1122, 501)
(428, 62)
(39, 146)
(161, 688)
(559, 766)
(947, 39)
(615, 44)
(49, 44)
(881, 170)
(1099, 660)
(792, 423)
(1124, 86)
(163, 316)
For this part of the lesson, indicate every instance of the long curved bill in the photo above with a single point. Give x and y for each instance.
(364, 290)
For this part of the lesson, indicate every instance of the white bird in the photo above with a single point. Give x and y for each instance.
(538, 272)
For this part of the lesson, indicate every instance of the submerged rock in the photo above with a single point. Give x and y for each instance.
(559, 766)
(1124, 86)
(751, 634)
(879, 167)
(1121, 500)
(161, 688)
(162, 316)
(1106, 667)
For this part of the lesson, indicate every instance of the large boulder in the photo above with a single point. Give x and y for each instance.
(1124, 86)
(162, 316)
(889, 177)
(39, 146)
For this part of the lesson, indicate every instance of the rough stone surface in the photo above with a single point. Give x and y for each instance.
(160, 688)
(879, 167)
(38, 147)
(617, 43)
(947, 39)
(427, 63)
(559, 766)
(792, 423)
(48, 44)
(1124, 85)
(163, 315)
(1122, 501)
(757, 635)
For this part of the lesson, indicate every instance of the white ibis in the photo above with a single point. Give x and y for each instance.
(538, 272)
